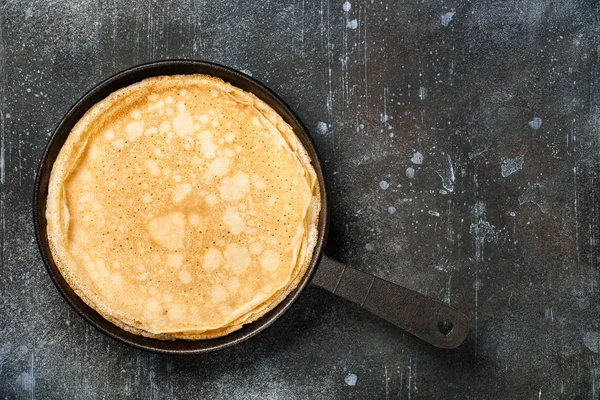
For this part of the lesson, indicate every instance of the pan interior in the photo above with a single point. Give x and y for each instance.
(195, 236)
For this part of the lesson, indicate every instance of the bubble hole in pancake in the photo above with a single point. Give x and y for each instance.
(182, 207)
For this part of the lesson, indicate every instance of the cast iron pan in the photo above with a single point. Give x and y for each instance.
(424, 317)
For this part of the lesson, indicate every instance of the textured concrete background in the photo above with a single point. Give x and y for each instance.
(461, 147)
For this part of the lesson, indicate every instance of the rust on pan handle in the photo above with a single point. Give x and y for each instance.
(428, 319)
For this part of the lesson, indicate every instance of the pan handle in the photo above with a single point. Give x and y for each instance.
(428, 319)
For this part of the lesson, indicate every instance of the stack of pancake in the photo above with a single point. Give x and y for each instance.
(182, 207)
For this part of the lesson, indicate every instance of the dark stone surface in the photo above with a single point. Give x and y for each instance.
(500, 219)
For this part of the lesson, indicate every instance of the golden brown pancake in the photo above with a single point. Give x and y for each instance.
(182, 207)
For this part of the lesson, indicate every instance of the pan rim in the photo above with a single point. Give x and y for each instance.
(54, 144)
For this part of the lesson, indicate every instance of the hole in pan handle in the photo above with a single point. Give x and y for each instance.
(428, 319)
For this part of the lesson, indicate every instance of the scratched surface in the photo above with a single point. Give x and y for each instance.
(461, 146)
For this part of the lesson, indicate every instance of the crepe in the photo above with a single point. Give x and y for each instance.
(182, 207)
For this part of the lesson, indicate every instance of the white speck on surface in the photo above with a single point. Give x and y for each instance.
(392, 210)
(478, 209)
(512, 165)
(512, 213)
(549, 314)
(384, 185)
(347, 6)
(350, 379)
(417, 158)
(433, 212)
(477, 284)
(535, 123)
(369, 247)
(422, 93)
(447, 176)
(481, 231)
(410, 172)
(447, 17)
(26, 381)
(591, 340)
(322, 128)
(352, 24)
(442, 267)
(534, 194)
(448, 295)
